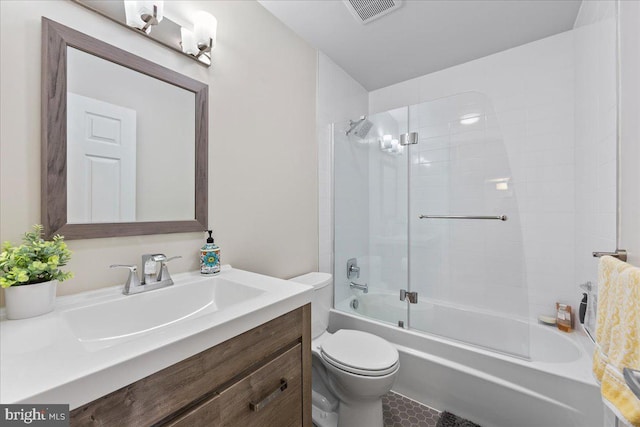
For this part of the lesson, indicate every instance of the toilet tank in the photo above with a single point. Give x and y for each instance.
(320, 301)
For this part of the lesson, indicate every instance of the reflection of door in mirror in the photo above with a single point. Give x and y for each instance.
(161, 179)
(101, 173)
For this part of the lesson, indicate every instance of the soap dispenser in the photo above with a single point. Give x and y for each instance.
(210, 256)
(564, 320)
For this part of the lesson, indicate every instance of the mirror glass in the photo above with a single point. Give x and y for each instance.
(130, 144)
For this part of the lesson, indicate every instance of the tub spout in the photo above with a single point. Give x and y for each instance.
(364, 287)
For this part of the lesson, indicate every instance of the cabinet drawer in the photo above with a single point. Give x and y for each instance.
(259, 399)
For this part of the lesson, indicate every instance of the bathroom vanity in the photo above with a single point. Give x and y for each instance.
(256, 378)
(233, 349)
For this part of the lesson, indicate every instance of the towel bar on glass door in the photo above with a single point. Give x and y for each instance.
(498, 217)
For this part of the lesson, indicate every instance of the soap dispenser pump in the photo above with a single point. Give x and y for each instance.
(210, 256)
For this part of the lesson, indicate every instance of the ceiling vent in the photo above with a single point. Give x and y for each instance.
(365, 11)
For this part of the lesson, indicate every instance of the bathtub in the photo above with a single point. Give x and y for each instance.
(551, 387)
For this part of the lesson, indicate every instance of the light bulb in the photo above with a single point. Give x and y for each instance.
(153, 8)
(189, 45)
(204, 28)
(133, 18)
(143, 14)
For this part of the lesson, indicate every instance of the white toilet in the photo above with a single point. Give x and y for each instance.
(352, 370)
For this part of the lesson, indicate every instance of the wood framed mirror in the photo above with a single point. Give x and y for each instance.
(124, 141)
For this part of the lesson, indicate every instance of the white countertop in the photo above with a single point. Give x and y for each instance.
(43, 361)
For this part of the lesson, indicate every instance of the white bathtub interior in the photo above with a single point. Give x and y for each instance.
(502, 334)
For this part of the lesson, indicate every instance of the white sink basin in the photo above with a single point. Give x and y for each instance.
(135, 314)
(99, 341)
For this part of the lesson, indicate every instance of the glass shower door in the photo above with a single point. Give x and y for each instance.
(465, 240)
(370, 214)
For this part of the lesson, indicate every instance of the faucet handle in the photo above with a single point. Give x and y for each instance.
(163, 274)
(132, 268)
(132, 280)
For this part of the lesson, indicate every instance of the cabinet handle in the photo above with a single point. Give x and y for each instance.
(255, 407)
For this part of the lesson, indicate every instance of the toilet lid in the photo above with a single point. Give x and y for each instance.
(360, 353)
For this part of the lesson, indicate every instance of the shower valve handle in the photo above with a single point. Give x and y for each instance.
(353, 271)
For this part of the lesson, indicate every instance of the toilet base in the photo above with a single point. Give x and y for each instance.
(363, 413)
(359, 414)
(322, 418)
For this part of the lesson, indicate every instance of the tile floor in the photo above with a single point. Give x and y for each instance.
(399, 411)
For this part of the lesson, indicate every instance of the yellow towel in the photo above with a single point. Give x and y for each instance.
(618, 335)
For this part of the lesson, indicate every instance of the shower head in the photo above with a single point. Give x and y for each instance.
(359, 128)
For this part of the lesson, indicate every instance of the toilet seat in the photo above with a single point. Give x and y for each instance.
(359, 353)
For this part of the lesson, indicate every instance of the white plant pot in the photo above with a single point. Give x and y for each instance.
(30, 300)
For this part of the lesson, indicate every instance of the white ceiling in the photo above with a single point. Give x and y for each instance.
(422, 36)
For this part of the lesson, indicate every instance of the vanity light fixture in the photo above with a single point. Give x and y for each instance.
(143, 14)
(201, 41)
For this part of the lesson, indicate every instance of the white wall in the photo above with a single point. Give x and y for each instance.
(629, 22)
(630, 129)
(530, 89)
(263, 197)
(340, 99)
(629, 204)
(595, 138)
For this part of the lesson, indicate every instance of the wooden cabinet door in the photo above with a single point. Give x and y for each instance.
(269, 396)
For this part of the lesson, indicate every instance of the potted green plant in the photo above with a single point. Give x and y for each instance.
(30, 272)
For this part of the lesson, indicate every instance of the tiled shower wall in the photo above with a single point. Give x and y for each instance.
(463, 168)
(595, 125)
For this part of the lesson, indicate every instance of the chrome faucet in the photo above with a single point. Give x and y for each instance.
(354, 271)
(364, 287)
(152, 276)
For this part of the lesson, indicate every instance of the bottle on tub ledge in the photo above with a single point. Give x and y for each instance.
(210, 256)
(564, 319)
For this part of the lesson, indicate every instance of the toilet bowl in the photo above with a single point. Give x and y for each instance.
(352, 370)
